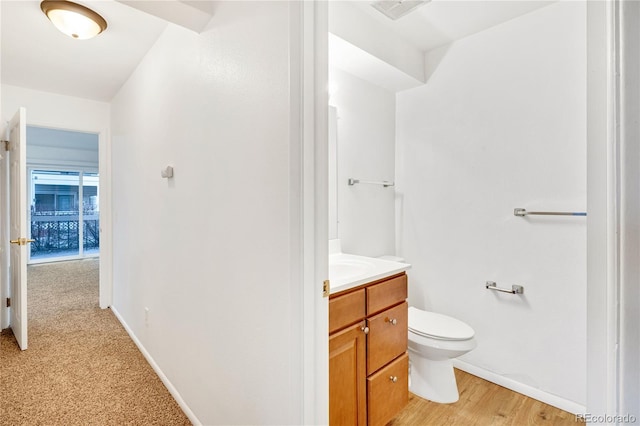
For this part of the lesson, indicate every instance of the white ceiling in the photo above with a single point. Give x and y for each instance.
(37, 56)
(441, 22)
(366, 43)
(355, 61)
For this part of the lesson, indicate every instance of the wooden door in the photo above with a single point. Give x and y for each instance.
(18, 225)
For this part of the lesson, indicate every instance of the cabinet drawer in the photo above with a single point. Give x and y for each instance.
(388, 335)
(388, 391)
(385, 294)
(346, 309)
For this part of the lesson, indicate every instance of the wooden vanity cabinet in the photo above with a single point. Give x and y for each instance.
(368, 361)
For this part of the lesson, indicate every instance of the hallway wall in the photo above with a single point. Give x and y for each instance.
(47, 109)
(202, 268)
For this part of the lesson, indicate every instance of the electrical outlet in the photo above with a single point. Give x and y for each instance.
(146, 316)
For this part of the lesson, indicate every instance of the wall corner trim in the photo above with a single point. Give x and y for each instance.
(172, 390)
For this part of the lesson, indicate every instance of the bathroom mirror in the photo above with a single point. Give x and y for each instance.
(361, 126)
(333, 173)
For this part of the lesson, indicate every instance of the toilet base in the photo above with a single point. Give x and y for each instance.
(433, 380)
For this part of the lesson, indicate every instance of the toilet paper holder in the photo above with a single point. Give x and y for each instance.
(515, 289)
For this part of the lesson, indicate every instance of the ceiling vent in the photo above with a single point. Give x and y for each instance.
(395, 9)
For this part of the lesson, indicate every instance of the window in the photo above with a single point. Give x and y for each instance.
(59, 226)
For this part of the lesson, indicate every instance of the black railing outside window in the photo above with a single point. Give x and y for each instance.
(56, 233)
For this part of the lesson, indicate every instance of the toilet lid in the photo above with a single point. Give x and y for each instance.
(438, 326)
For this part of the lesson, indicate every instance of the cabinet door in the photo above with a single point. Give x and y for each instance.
(388, 336)
(347, 377)
(388, 391)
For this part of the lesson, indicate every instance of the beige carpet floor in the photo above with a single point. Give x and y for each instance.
(81, 367)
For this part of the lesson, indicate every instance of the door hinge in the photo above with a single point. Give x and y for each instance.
(326, 286)
(8, 302)
(6, 145)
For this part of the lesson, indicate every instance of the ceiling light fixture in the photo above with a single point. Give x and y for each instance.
(73, 19)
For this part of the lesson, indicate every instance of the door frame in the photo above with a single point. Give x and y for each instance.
(106, 224)
(613, 203)
(308, 47)
(105, 205)
(604, 182)
(627, 101)
(5, 289)
(607, 182)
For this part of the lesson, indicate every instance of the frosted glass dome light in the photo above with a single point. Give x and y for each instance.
(74, 20)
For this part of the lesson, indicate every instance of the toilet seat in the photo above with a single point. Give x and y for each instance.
(438, 326)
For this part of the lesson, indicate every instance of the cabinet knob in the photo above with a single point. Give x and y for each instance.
(393, 378)
(365, 330)
(392, 321)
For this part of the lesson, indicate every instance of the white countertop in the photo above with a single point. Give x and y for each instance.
(347, 271)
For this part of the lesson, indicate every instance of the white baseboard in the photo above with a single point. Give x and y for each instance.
(547, 398)
(172, 390)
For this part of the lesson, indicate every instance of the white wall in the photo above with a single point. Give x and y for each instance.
(366, 150)
(207, 252)
(500, 124)
(46, 109)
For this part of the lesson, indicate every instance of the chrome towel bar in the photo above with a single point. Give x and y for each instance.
(524, 212)
(515, 289)
(384, 183)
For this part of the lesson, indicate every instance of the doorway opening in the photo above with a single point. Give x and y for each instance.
(63, 193)
(54, 208)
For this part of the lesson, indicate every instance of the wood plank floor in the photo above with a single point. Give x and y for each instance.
(481, 403)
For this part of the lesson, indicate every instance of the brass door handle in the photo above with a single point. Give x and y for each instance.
(21, 241)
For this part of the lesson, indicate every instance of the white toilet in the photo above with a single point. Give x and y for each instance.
(434, 340)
